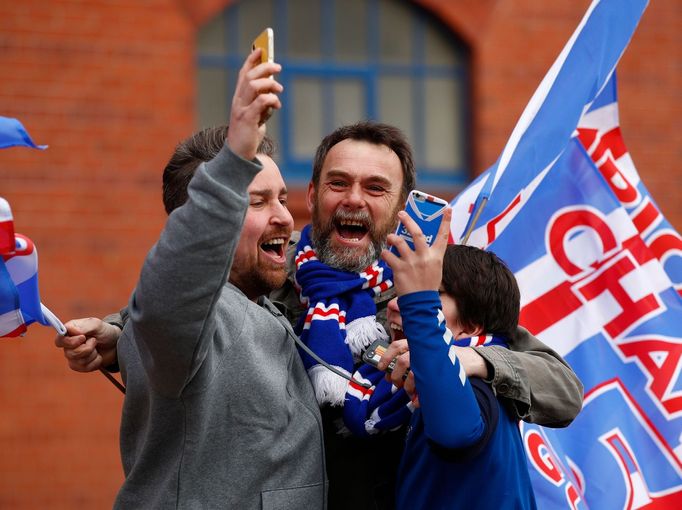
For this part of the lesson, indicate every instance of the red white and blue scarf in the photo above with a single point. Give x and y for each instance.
(341, 319)
(368, 411)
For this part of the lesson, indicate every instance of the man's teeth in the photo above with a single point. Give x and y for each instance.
(395, 326)
(279, 240)
(347, 223)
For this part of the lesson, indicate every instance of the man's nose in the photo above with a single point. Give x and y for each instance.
(355, 197)
(281, 215)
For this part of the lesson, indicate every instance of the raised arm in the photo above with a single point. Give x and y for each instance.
(183, 274)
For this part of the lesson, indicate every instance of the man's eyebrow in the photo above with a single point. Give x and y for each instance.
(374, 177)
(267, 192)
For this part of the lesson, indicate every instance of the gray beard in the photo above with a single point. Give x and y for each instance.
(348, 260)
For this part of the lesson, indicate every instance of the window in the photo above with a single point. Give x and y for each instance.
(344, 61)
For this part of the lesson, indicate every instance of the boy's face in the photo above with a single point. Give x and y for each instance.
(449, 307)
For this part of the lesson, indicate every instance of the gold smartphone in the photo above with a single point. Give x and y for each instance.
(266, 42)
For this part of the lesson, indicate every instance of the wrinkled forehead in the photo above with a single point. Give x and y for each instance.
(363, 159)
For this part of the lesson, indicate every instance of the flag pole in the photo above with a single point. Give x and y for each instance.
(473, 222)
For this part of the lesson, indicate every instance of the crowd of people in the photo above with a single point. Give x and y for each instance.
(224, 410)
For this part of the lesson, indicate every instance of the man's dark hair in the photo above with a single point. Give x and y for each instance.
(189, 154)
(484, 289)
(372, 132)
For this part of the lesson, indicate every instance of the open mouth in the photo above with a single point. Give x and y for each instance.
(397, 331)
(275, 247)
(351, 230)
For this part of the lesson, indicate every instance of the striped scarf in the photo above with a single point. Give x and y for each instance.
(382, 407)
(341, 319)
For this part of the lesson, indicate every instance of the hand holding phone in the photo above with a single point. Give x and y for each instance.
(374, 352)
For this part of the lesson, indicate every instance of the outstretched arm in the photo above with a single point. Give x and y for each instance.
(534, 381)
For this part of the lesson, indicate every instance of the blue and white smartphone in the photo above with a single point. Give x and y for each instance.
(427, 211)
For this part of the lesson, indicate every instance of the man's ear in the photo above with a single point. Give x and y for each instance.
(310, 197)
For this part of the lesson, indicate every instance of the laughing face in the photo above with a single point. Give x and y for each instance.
(355, 204)
(259, 262)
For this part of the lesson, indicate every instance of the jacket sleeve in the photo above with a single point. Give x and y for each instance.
(536, 384)
(184, 273)
(450, 410)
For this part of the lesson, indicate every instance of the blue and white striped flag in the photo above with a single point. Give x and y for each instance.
(543, 132)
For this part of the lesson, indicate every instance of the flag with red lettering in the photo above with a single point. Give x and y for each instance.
(599, 132)
(20, 303)
(594, 291)
(600, 272)
(599, 269)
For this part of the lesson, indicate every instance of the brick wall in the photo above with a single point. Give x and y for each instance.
(110, 87)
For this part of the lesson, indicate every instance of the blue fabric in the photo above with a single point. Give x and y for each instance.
(462, 450)
(13, 134)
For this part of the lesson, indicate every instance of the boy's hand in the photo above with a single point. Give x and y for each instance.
(421, 268)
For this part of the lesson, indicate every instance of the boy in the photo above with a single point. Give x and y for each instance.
(463, 450)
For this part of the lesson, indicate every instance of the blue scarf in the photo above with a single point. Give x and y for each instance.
(341, 319)
(384, 407)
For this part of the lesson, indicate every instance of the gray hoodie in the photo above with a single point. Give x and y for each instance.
(219, 411)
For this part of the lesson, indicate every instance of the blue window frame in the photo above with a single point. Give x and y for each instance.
(344, 61)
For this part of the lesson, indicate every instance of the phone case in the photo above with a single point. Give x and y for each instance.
(265, 41)
(426, 210)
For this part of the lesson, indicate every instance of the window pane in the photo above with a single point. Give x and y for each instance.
(214, 90)
(443, 124)
(440, 49)
(396, 106)
(349, 102)
(307, 125)
(303, 30)
(211, 38)
(253, 18)
(395, 32)
(350, 25)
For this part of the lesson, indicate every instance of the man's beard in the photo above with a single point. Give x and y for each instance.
(349, 259)
(260, 279)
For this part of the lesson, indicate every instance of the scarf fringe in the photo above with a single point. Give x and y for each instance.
(329, 387)
(362, 332)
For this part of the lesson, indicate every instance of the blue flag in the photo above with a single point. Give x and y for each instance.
(599, 270)
(596, 293)
(542, 133)
(13, 134)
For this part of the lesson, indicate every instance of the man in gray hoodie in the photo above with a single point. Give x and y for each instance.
(219, 411)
